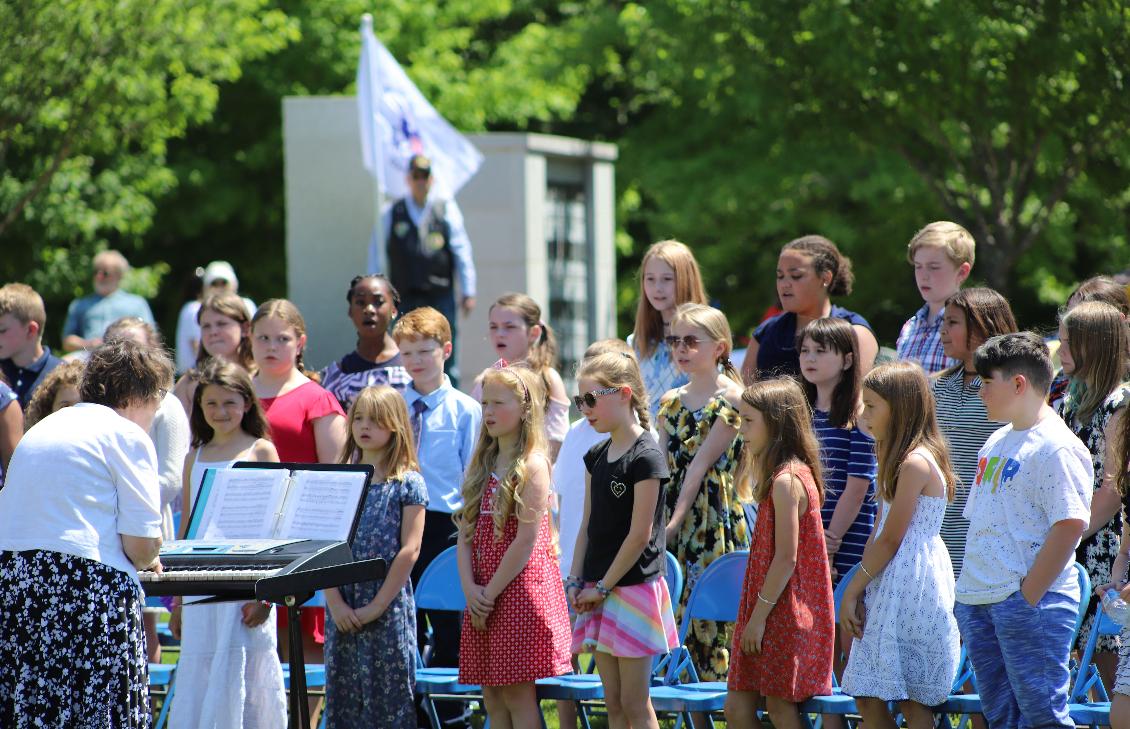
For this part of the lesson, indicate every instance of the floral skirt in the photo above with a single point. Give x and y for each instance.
(72, 646)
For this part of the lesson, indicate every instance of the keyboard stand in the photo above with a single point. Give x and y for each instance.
(323, 577)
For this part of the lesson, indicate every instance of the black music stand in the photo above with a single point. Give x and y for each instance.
(364, 571)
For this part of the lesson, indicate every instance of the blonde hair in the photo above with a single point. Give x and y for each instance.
(913, 424)
(792, 437)
(619, 369)
(68, 374)
(717, 328)
(292, 317)
(526, 386)
(387, 409)
(1097, 336)
(688, 289)
(422, 323)
(604, 346)
(24, 304)
(954, 240)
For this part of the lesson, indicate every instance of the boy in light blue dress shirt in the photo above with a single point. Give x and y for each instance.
(445, 423)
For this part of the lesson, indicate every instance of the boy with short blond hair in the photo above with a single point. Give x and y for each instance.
(23, 358)
(445, 423)
(942, 255)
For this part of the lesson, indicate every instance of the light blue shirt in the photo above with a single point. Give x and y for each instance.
(89, 316)
(460, 243)
(447, 442)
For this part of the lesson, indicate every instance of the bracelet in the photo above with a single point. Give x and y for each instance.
(866, 572)
(604, 591)
(767, 602)
(572, 582)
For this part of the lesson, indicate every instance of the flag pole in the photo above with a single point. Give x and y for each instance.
(376, 95)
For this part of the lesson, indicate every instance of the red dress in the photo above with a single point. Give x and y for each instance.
(528, 633)
(795, 662)
(291, 417)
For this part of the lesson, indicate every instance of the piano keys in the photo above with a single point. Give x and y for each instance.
(266, 569)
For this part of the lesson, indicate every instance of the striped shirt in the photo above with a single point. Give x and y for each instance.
(966, 427)
(921, 341)
(846, 452)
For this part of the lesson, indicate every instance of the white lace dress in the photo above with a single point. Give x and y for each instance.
(910, 644)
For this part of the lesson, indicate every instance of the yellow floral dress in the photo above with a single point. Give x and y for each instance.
(715, 524)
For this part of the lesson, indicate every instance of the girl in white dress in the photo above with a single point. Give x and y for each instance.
(906, 639)
(229, 674)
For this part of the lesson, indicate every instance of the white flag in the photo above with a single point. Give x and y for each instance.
(398, 122)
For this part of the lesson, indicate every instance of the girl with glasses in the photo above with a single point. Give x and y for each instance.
(698, 428)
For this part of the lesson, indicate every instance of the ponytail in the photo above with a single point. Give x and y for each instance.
(729, 369)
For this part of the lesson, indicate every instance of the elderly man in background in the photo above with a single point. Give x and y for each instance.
(88, 317)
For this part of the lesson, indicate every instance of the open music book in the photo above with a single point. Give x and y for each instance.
(278, 503)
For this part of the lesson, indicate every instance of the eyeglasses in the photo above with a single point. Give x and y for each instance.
(689, 341)
(588, 400)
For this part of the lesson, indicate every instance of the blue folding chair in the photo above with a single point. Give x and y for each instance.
(837, 702)
(439, 590)
(715, 596)
(163, 675)
(1084, 710)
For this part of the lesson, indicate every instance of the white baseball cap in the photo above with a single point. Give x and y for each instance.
(220, 271)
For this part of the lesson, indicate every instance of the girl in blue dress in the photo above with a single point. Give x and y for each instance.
(371, 639)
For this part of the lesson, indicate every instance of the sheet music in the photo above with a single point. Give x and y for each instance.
(243, 504)
(321, 505)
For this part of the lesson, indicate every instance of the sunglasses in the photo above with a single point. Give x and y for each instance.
(588, 400)
(689, 341)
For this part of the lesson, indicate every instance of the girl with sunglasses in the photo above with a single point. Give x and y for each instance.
(616, 586)
(698, 428)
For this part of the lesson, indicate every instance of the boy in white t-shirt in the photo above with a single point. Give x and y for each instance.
(1018, 594)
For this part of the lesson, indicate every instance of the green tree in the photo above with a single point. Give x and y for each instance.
(93, 92)
(765, 120)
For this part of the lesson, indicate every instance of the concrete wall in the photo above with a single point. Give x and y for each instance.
(331, 210)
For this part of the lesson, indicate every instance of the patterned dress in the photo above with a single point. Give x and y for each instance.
(72, 647)
(659, 373)
(370, 675)
(1096, 552)
(796, 651)
(910, 645)
(527, 634)
(714, 526)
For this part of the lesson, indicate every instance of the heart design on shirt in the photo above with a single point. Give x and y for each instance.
(618, 489)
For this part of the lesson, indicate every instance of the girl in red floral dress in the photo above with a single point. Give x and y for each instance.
(516, 625)
(786, 626)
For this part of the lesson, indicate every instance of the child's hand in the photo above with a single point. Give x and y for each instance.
(851, 615)
(832, 542)
(371, 612)
(571, 595)
(255, 613)
(752, 635)
(588, 599)
(174, 621)
(344, 617)
(479, 603)
(478, 622)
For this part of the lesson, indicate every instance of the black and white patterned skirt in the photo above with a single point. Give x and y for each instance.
(72, 647)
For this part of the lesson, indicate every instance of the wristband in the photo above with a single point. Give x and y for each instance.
(604, 591)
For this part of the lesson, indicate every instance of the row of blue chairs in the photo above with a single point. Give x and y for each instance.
(676, 686)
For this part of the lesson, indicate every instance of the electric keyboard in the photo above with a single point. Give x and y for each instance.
(265, 569)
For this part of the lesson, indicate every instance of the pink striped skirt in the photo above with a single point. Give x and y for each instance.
(634, 621)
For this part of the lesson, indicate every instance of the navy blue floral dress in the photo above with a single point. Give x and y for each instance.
(370, 675)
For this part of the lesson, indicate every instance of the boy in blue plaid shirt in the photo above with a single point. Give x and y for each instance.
(942, 255)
